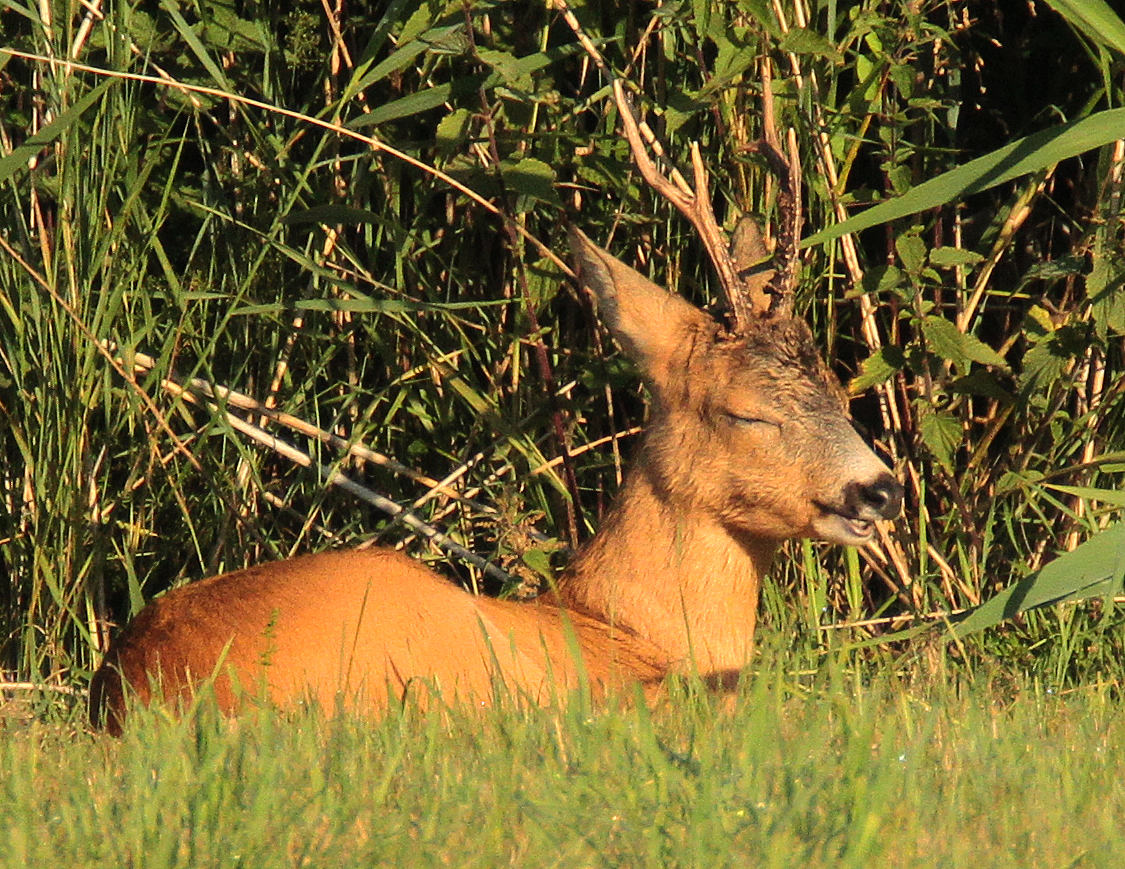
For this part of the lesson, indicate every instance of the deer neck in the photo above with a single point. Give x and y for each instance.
(679, 580)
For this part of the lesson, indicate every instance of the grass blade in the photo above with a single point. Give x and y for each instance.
(1022, 157)
(1094, 569)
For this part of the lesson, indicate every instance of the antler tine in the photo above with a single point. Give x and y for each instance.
(788, 170)
(695, 205)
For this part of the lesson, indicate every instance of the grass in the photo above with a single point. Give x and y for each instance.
(841, 772)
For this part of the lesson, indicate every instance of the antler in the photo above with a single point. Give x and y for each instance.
(695, 205)
(752, 288)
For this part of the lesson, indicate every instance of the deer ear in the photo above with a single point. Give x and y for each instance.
(650, 323)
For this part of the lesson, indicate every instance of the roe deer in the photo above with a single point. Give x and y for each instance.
(749, 444)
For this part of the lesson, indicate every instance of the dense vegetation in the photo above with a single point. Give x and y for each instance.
(348, 217)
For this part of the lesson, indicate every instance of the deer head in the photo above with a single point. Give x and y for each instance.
(749, 426)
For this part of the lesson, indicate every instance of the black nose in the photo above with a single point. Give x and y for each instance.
(882, 498)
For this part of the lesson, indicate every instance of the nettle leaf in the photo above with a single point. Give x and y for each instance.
(1015, 481)
(951, 257)
(982, 382)
(534, 179)
(1054, 270)
(941, 433)
(1047, 361)
(800, 40)
(944, 339)
(452, 130)
(731, 62)
(679, 107)
(950, 343)
(763, 14)
(901, 178)
(543, 282)
(1107, 308)
(539, 561)
(879, 279)
(701, 13)
(877, 368)
(1037, 322)
(903, 76)
(912, 251)
(1043, 365)
(517, 72)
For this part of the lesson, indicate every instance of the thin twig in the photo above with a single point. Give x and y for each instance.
(224, 395)
(331, 476)
(41, 687)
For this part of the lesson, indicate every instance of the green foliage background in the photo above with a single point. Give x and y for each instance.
(253, 231)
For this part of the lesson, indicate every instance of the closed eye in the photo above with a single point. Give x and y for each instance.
(741, 419)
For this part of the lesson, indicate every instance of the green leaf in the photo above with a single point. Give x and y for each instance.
(1047, 361)
(391, 306)
(1022, 157)
(912, 251)
(800, 40)
(880, 279)
(539, 561)
(516, 71)
(1094, 569)
(982, 382)
(941, 433)
(332, 214)
(196, 44)
(877, 368)
(1094, 19)
(532, 178)
(226, 30)
(903, 76)
(399, 59)
(1105, 496)
(950, 257)
(543, 282)
(950, 343)
(1054, 269)
(451, 130)
(763, 14)
(412, 104)
(1108, 308)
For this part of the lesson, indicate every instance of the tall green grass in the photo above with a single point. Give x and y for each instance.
(212, 188)
(834, 772)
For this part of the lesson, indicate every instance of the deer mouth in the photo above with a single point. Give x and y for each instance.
(859, 527)
(838, 527)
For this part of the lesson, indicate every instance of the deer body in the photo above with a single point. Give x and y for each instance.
(363, 627)
(749, 444)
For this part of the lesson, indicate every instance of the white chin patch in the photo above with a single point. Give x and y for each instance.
(839, 529)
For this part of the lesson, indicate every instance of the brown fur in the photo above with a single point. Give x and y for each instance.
(749, 445)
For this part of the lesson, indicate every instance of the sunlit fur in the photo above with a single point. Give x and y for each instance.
(749, 444)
